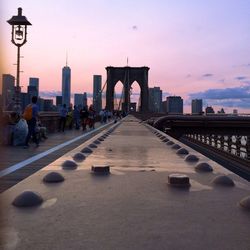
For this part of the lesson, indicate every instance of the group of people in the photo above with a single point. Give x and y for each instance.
(27, 126)
(77, 118)
(105, 115)
(19, 129)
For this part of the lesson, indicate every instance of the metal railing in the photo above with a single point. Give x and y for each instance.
(237, 146)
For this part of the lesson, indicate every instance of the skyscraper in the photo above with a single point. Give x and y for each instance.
(85, 100)
(197, 106)
(32, 91)
(58, 100)
(97, 95)
(155, 99)
(174, 105)
(80, 100)
(34, 82)
(66, 85)
(8, 91)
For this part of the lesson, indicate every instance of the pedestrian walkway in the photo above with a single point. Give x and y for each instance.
(17, 163)
(135, 206)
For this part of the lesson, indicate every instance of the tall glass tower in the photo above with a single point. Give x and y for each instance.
(97, 95)
(66, 85)
(34, 82)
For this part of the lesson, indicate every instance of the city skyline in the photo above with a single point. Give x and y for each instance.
(195, 50)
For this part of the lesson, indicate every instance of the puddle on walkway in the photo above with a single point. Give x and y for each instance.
(49, 203)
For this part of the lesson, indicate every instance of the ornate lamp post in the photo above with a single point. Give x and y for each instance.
(19, 25)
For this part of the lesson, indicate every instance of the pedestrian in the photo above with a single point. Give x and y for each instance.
(76, 117)
(69, 120)
(84, 117)
(91, 117)
(101, 114)
(31, 115)
(63, 115)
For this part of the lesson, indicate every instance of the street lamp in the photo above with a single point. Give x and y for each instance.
(19, 25)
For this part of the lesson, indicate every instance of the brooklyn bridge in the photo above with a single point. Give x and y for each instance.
(145, 181)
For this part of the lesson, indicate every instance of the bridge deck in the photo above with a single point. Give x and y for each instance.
(12, 156)
(133, 207)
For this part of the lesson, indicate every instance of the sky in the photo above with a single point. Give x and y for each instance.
(194, 48)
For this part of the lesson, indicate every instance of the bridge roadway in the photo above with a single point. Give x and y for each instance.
(133, 207)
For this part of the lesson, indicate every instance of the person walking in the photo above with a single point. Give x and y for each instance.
(91, 117)
(63, 115)
(76, 117)
(84, 117)
(31, 115)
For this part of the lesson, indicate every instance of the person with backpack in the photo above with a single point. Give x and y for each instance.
(31, 115)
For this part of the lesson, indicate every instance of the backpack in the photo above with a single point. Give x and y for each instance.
(27, 114)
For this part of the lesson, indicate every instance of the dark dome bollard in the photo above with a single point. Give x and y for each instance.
(27, 199)
(53, 177)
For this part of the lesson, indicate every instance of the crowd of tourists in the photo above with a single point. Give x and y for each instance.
(21, 129)
(77, 118)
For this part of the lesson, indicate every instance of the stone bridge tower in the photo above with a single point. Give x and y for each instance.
(127, 75)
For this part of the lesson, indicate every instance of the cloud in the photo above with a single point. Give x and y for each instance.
(231, 103)
(228, 97)
(207, 75)
(240, 78)
(220, 94)
(222, 80)
(165, 94)
(49, 94)
(52, 94)
(246, 82)
(188, 76)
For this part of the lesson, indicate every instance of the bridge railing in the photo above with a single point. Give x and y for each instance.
(236, 146)
(50, 120)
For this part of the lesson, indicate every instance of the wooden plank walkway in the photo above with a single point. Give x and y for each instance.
(13, 155)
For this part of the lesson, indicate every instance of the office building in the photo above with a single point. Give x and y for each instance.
(174, 105)
(235, 111)
(8, 91)
(32, 91)
(97, 94)
(66, 85)
(85, 100)
(164, 106)
(34, 82)
(79, 100)
(155, 99)
(40, 104)
(24, 100)
(197, 106)
(209, 110)
(58, 100)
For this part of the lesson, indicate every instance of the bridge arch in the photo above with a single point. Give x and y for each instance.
(127, 75)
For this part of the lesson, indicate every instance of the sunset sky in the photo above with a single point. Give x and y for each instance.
(194, 48)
